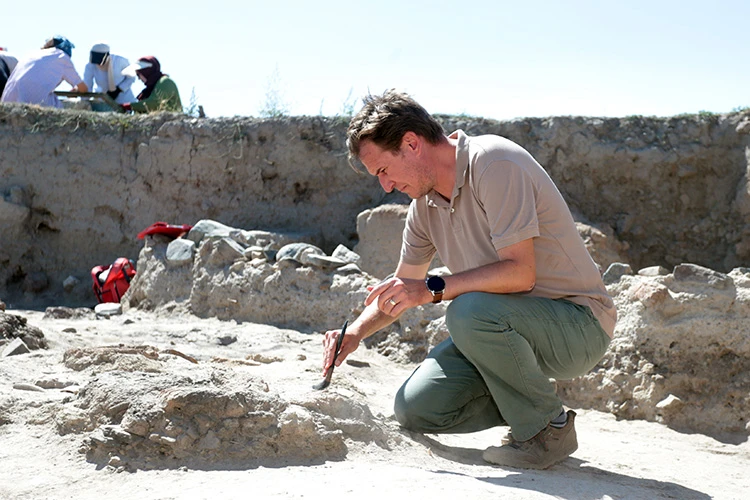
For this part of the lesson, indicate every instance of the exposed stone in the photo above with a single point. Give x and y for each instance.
(180, 251)
(298, 252)
(53, 383)
(323, 261)
(602, 244)
(227, 339)
(209, 229)
(653, 271)
(743, 127)
(13, 326)
(380, 231)
(615, 271)
(349, 269)
(17, 346)
(58, 312)
(268, 240)
(70, 283)
(670, 404)
(692, 272)
(343, 253)
(221, 252)
(107, 309)
(23, 386)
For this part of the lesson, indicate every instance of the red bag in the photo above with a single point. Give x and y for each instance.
(111, 282)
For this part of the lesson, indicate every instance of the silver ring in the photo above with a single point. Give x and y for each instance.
(393, 302)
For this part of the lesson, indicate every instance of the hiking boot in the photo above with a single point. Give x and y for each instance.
(550, 446)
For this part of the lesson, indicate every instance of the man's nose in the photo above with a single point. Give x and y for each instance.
(386, 184)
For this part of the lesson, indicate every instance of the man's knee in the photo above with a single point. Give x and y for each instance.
(470, 312)
(401, 410)
(416, 413)
(461, 311)
(406, 412)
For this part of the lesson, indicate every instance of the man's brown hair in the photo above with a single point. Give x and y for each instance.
(385, 119)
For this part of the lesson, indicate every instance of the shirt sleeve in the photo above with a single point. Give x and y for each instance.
(70, 74)
(508, 196)
(416, 246)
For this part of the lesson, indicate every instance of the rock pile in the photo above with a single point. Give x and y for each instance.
(681, 352)
(233, 274)
(144, 410)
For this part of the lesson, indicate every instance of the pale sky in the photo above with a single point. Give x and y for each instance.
(489, 58)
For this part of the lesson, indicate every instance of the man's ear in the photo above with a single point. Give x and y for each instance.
(412, 142)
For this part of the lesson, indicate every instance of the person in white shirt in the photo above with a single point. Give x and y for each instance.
(105, 73)
(35, 78)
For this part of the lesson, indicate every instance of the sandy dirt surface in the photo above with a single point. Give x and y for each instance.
(615, 459)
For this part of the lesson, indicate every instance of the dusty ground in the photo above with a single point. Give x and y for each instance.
(626, 459)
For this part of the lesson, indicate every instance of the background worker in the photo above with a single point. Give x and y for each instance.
(161, 92)
(7, 63)
(106, 73)
(35, 78)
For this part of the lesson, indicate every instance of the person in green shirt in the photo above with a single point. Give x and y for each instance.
(161, 92)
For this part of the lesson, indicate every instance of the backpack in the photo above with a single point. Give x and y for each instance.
(111, 282)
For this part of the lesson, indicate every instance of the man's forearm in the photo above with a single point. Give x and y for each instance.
(370, 321)
(498, 277)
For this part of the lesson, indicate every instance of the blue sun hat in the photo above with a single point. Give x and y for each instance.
(63, 44)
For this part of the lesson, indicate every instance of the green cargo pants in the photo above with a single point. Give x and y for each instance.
(495, 367)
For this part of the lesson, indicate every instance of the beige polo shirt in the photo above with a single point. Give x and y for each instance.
(503, 196)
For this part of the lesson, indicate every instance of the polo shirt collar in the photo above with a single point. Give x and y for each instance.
(462, 164)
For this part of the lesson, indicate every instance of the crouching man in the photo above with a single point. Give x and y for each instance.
(527, 301)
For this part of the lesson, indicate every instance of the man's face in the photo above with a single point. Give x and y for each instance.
(401, 170)
(99, 58)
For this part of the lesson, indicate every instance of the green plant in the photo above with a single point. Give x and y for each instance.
(274, 106)
(193, 108)
(347, 107)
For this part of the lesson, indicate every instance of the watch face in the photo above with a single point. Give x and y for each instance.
(435, 284)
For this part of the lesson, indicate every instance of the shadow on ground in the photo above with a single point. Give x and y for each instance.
(571, 479)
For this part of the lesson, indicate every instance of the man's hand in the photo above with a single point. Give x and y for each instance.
(396, 295)
(348, 345)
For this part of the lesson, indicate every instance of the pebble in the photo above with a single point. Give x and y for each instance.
(27, 387)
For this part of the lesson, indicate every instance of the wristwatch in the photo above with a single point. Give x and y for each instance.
(436, 286)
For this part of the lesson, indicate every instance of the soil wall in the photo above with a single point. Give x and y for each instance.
(76, 187)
